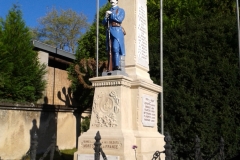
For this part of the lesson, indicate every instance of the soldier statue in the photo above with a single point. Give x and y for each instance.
(115, 36)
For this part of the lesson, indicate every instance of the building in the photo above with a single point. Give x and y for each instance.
(54, 114)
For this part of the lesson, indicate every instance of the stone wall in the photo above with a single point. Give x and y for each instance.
(51, 116)
(18, 123)
(58, 90)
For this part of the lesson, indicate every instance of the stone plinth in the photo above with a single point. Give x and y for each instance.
(125, 113)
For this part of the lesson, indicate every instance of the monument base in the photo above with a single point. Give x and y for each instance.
(114, 73)
(125, 113)
(91, 157)
(118, 144)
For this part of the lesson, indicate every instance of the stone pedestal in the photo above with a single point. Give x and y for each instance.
(125, 113)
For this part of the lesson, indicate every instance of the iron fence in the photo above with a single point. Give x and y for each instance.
(218, 154)
(98, 149)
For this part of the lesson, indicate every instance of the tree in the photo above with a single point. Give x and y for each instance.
(87, 43)
(22, 78)
(61, 29)
(201, 88)
(201, 83)
(85, 64)
(2, 62)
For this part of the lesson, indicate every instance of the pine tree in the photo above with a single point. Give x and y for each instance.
(23, 74)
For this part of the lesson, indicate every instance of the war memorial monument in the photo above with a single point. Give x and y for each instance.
(124, 108)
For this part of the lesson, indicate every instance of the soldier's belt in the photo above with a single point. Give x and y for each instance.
(115, 24)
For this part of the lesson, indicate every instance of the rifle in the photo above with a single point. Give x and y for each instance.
(109, 49)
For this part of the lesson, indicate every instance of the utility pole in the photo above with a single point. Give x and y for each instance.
(161, 64)
(97, 33)
(237, 10)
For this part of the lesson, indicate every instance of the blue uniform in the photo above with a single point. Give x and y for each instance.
(117, 36)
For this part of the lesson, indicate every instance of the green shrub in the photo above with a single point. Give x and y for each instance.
(21, 72)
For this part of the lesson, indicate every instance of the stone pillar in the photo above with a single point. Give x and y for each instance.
(136, 39)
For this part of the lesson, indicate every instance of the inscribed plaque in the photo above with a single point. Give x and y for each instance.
(149, 111)
(142, 34)
(105, 144)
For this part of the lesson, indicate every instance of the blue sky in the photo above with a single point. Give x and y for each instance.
(34, 9)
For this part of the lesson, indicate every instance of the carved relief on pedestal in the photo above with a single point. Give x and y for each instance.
(105, 109)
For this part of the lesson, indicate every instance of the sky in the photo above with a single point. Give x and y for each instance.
(34, 9)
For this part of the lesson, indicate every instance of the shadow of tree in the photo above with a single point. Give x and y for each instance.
(68, 98)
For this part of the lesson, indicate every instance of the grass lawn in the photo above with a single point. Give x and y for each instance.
(66, 154)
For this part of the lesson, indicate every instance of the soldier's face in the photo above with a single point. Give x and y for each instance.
(113, 2)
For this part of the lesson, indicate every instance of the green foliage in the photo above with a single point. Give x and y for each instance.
(61, 28)
(85, 124)
(82, 91)
(201, 74)
(154, 39)
(21, 73)
(176, 11)
(85, 64)
(79, 74)
(87, 43)
(201, 83)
